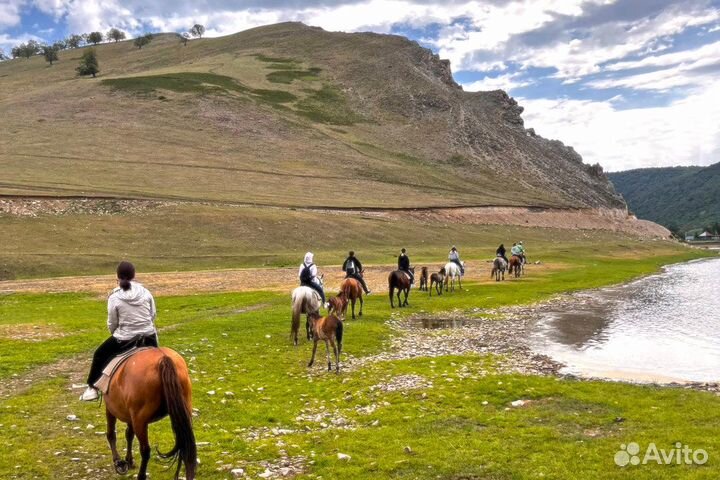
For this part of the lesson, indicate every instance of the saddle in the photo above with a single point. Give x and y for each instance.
(104, 383)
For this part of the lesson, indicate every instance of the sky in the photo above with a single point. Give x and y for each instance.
(627, 83)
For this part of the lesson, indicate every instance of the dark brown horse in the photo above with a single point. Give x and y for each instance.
(437, 280)
(400, 281)
(330, 330)
(423, 279)
(515, 266)
(148, 386)
(352, 290)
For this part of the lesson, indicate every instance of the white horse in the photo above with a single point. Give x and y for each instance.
(498, 269)
(304, 300)
(452, 272)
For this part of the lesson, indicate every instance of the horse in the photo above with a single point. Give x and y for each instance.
(148, 386)
(437, 280)
(452, 271)
(304, 300)
(423, 279)
(498, 269)
(515, 266)
(352, 290)
(329, 329)
(338, 304)
(401, 281)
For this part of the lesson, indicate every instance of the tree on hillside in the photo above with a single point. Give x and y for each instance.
(197, 30)
(115, 34)
(26, 50)
(74, 40)
(184, 37)
(50, 53)
(59, 45)
(2, 55)
(144, 40)
(95, 37)
(88, 63)
(716, 228)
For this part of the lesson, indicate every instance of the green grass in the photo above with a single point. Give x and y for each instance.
(569, 430)
(289, 76)
(328, 105)
(184, 82)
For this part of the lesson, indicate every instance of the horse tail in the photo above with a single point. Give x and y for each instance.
(296, 310)
(339, 336)
(185, 449)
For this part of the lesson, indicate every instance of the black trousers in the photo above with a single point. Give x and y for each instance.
(111, 348)
(457, 262)
(359, 278)
(317, 288)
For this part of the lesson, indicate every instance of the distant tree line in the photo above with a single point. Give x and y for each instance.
(89, 64)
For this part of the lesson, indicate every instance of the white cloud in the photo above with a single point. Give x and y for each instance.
(711, 50)
(685, 132)
(10, 12)
(505, 82)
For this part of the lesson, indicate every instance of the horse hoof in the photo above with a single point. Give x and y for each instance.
(121, 467)
(310, 364)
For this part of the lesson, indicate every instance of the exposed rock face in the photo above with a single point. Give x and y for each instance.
(409, 92)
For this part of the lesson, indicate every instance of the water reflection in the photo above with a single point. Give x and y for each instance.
(660, 328)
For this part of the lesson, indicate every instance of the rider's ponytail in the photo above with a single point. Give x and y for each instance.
(125, 273)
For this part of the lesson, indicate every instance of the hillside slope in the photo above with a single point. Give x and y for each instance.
(283, 115)
(678, 197)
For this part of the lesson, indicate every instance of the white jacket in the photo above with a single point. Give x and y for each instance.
(131, 312)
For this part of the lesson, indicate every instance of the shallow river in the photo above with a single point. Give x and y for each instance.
(663, 328)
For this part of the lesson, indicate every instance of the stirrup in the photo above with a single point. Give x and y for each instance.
(89, 395)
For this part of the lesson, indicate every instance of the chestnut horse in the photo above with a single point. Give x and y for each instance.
(515, 266)
(328, 329)
(401, 281)
(148, 386)
(338, 305)
(352, 290)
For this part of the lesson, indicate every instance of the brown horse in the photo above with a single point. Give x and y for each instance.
(148, 386)
(515, 266)
(437, 280)
(423, 279)
(352, 290)
(328, 329)
(400, 281)
(338, 304)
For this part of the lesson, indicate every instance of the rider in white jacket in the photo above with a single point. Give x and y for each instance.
(311, 277)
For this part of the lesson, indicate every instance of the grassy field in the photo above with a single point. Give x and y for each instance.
(239, 343)
(190, 237)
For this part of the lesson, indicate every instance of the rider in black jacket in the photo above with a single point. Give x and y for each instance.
(353, 269)
(501, 252)
(404, 265)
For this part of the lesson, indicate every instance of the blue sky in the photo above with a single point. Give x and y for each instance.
(628, 83)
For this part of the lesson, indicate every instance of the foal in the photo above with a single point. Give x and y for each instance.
(329, 329)
(423, 279)
(338, 305)
(437, 280)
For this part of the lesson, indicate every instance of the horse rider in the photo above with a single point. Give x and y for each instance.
(516, 251)
(308, 275)
(353, 269)
(500, 252)
(454, 257)
(131, 321)
(522, 252)
(404, 265)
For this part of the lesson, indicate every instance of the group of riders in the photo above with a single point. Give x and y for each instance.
(131, 307)
(308, 272)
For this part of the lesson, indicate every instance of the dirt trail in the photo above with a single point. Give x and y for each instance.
(219, 281)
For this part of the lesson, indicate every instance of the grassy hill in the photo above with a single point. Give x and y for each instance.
(681, 197)
(284, 115)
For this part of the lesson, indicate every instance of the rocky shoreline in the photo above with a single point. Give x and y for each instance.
(501, 332)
